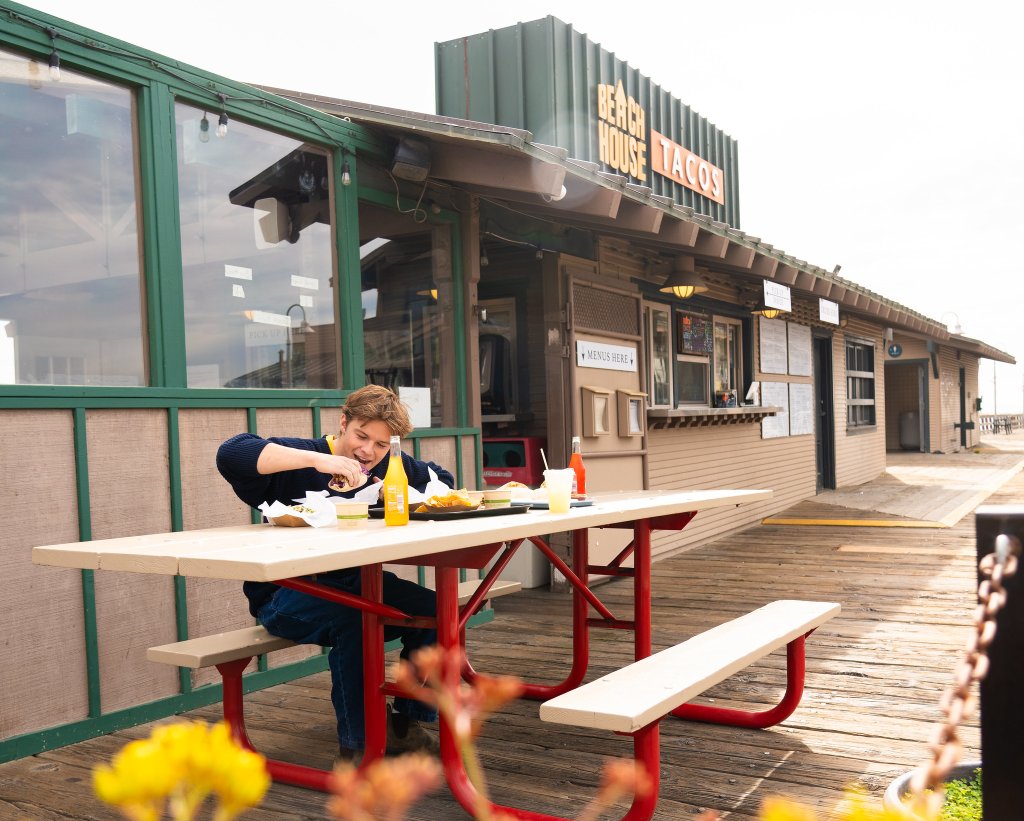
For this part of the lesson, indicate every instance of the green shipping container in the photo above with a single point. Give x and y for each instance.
(547, 78)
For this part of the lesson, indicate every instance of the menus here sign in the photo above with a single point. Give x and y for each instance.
(606, 357)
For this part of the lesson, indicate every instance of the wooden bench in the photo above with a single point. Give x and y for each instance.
(219, 648)
(231, 652)
(641, 693)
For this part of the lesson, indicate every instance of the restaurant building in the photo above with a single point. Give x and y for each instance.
(183, 257)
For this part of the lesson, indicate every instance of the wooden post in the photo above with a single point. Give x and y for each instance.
(1002, 711)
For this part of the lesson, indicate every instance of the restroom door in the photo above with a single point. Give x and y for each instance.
(825, 422)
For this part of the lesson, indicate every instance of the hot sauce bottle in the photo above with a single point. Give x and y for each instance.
(396, 487)
(579, 482)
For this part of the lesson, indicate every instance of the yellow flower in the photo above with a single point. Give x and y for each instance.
(180, 765)
(857, 808)
(781, 809)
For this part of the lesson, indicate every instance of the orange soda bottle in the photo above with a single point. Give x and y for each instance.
(579, 481)
(396, 487)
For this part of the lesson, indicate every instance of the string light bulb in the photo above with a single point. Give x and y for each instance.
(54, 57)
(204, 129)
(222, 121)
(346, 175)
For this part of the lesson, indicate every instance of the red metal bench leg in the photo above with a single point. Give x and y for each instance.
(757, 719)
(234, 715)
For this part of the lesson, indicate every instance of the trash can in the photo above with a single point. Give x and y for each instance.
(513, 459)
(910, 430)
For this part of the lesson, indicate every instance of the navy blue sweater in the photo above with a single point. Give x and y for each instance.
(236, 461)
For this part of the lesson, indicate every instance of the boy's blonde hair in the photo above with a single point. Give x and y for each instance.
(376, 403)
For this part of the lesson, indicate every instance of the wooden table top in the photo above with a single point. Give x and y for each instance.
(264, 552)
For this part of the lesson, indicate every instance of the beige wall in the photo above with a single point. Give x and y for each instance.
(42, 622)
(943, 392)
(860, 452)
(729, 456)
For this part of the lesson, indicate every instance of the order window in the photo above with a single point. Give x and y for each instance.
(728, 359)
(657, 320)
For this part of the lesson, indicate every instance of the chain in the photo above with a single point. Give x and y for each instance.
(957, 701)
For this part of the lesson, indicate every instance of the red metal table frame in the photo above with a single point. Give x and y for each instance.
(451, 623)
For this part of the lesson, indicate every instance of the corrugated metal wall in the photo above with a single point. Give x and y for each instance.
(543, 76)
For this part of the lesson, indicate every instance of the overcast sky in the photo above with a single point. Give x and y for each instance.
(886, 137)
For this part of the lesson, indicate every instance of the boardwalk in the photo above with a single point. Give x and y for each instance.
(874, 679)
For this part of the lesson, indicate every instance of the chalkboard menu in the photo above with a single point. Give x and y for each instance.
(696, 334)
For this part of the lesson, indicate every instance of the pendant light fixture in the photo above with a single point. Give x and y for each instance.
(683, 281)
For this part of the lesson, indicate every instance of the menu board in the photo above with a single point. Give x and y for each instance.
(799, 349)
(772, 338)
(775, 394)
(801, 409)
(696, 335)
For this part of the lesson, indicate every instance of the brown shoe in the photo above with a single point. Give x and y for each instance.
(347, 756)
(414, 739)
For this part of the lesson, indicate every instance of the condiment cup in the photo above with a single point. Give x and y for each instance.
(497, 498)
(350, 513)
(476, 497)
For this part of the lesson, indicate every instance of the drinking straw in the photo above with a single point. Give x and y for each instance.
(544, 458)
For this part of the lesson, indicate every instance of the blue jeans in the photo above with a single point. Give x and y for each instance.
(307, 619)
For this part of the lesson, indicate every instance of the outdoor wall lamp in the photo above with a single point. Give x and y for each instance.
(411, 160)
(766, 312)
(683, 281)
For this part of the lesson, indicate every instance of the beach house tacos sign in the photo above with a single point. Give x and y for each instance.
(625, 144)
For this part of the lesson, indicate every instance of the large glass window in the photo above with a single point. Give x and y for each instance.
(71, 301)
(860, 383)
(694, 346)
(408, 343)
(257, 257)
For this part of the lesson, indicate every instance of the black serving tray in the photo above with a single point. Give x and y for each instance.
(378, 513)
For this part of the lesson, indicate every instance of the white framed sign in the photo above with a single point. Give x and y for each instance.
(772, 345)
(828, 311)
(775, 394)
(606, 357)
(417, 400)
(776, 295)
(801, 408)
(799, 340)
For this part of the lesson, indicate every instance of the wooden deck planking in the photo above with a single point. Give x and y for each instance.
(875, 674)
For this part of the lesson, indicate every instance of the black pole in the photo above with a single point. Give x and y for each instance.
(1002, 704)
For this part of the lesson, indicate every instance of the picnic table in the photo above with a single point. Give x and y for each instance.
(295, 555)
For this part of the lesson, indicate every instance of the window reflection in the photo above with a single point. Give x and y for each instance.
(257, 258)
(402, 324)
(71, 302)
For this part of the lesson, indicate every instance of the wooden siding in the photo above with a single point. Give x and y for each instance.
(949, 392)
(860, 452)
(944, 392)
(728, 456)
(41, 620)
(970, 366)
